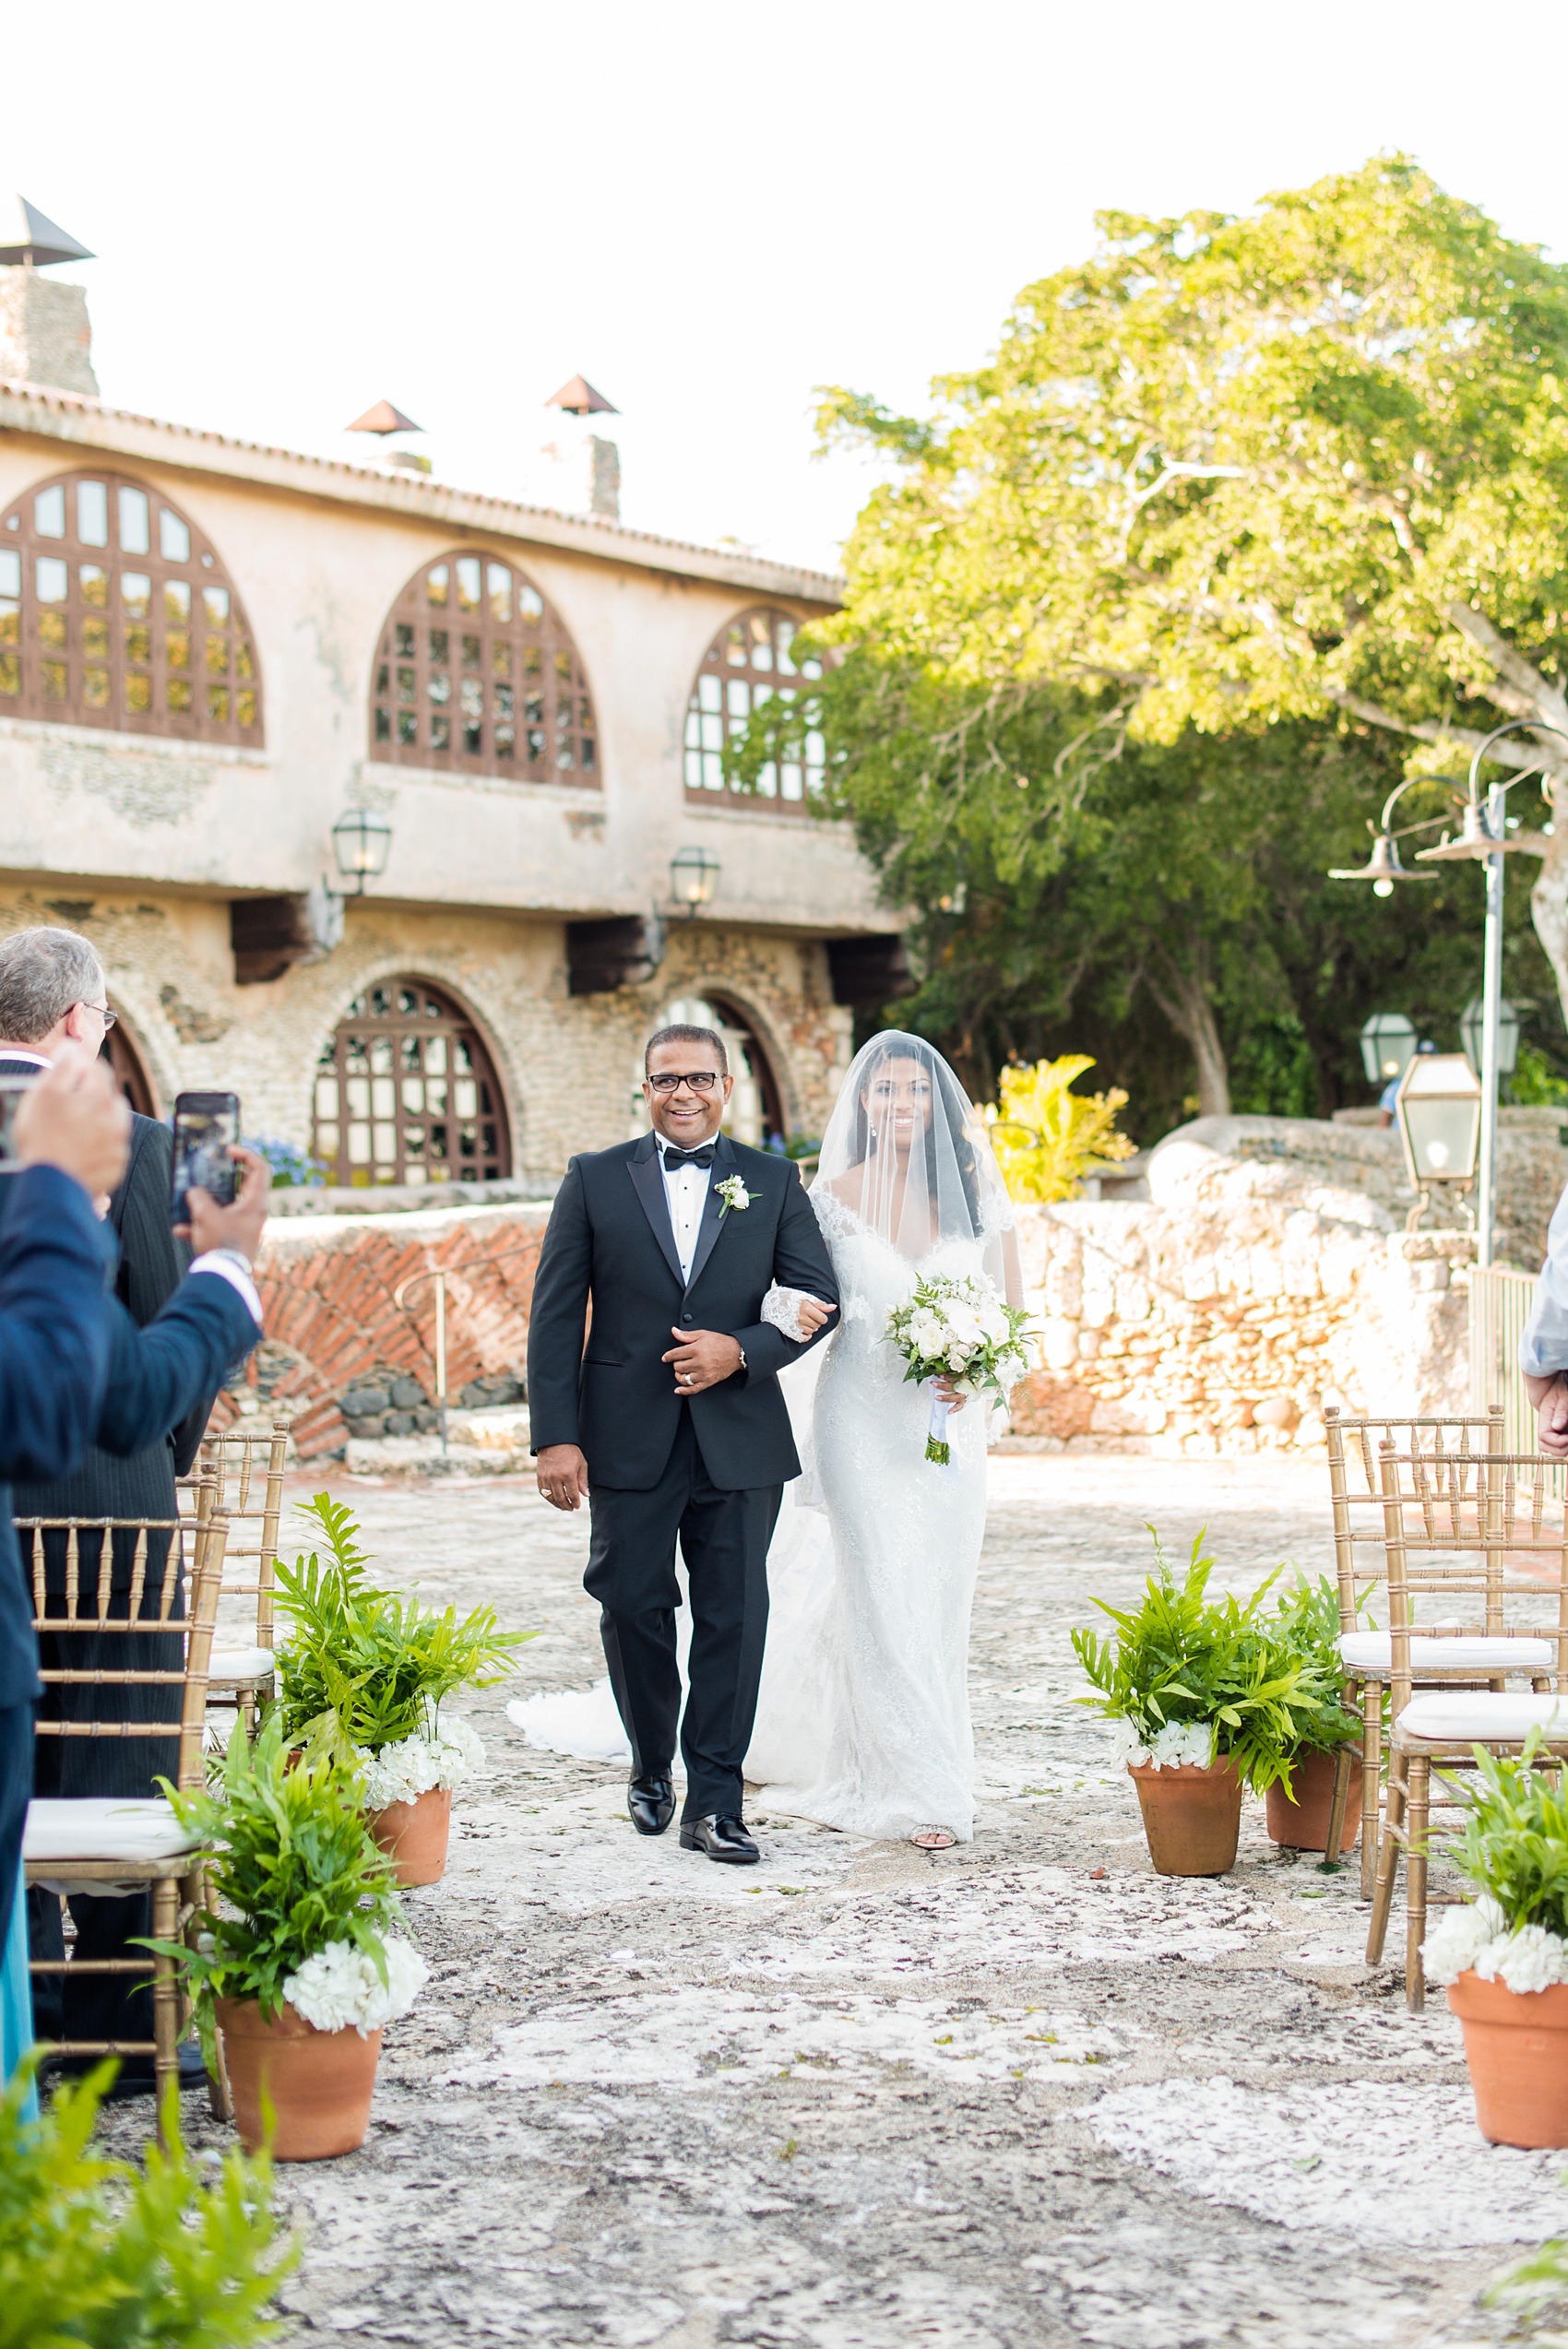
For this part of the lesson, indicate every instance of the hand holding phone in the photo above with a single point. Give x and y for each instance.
(206, 1125)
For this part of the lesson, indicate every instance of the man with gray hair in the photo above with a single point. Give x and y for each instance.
(52, 989)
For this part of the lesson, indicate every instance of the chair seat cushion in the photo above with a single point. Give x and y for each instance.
(1472, 1717)
(241, 1664)
(1373, 1652)
(102, 1828)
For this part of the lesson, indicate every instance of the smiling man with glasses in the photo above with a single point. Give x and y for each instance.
(677, 1237)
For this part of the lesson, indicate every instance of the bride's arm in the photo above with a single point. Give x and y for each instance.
(1011, 1268)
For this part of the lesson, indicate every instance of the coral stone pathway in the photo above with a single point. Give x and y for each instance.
(1021, 2093)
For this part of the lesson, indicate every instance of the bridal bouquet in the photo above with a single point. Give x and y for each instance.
(959, 1328)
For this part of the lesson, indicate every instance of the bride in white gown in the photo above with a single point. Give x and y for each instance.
(863, 1720)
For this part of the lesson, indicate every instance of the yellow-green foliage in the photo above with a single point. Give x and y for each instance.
(1046, 1136)
(98, 2254)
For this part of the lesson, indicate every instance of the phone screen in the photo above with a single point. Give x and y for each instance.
(205, 1124)
(12, 1089)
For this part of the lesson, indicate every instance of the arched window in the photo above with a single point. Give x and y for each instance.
(749, 664)
(405, 1093)
(115, 611)
(477, 672)
(755, 1109)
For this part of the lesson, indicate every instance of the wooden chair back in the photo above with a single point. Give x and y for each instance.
(86, 1607)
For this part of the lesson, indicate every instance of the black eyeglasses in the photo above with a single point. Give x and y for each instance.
(700, 1080)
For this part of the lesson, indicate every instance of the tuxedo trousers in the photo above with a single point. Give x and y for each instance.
(631, 1571)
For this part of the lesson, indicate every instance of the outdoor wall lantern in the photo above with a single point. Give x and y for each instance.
(1388, 1046)
(1438, 1112)
(694, 877)
(362, 842)
(1472, 1033)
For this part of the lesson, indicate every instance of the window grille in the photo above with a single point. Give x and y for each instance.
(477, 672)
(405, 1092)
(115, 611)
(749, 664)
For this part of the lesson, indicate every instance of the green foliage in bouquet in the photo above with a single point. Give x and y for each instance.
(296, 1868)
(363, 1667)
(101, 2255)
(1181, 1656)
(1515, 1839)
(1306, 1622)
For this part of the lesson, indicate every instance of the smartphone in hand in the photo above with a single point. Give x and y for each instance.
(205, 1126)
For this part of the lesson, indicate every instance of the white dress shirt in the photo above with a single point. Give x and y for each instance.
(685, 1187)
(1543, 1351)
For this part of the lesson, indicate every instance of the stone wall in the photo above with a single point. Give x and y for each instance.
(1267, 1274)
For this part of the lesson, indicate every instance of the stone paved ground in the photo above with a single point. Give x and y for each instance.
(861, 2098)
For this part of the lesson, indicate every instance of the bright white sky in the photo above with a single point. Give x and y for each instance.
(706, 209)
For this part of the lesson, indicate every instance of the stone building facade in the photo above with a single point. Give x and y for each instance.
(208, 659)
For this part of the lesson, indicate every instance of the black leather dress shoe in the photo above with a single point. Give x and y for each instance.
(721, 1839)
(650, 1803)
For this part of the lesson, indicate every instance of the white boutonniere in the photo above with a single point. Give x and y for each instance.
(733, 1192)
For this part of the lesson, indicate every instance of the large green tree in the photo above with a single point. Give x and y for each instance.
(1309, 465)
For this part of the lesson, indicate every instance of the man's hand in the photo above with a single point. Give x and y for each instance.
(563, 1476)
(1551, 1399)
(702, 1357)
(239, 1227)
(76, 1118)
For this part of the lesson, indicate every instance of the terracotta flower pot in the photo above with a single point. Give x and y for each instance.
(319, 2082)
(1516, 2047)
(1300, 1818)
(416, 1834)
(1192, 1815)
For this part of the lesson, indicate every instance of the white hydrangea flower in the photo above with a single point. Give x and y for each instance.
(340, 1989)
(445, 1752)
(1183, 1742)
(1127, 1743)
(1531, 1959)
(1459, 1937)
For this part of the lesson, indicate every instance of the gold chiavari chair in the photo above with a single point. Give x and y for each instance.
(1440, 1654)
(1479, 1527)
(91, 1844)
(240, 1475)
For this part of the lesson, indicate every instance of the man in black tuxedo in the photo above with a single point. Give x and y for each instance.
(678, 1235)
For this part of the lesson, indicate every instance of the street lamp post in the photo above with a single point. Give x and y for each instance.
(1482, 841)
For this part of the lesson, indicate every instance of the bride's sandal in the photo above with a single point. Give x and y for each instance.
(933, 1839)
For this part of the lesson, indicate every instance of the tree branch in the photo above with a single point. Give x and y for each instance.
(1538, 697)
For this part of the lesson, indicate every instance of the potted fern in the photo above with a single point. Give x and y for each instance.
(363, 1677)
(1206, 1700)
(1306, 1621)
(300, 1966)
(1502, 1956)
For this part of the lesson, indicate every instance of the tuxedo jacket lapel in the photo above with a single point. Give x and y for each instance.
(714, 1207)
(648, 1179)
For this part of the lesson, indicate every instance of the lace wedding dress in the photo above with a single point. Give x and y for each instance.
(863, 1720)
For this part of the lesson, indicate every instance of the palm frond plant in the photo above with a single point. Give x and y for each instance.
(365, 1672)
(98, 2254)
(1306, 1622)
(1193, 1678)
(1502, 1956)
(304, 1941)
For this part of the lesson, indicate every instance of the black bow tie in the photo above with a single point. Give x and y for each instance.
(703, 1157)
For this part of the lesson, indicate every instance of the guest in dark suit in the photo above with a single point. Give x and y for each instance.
(52, 989)
(71, 1137)
(679, 1236)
